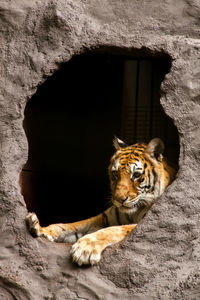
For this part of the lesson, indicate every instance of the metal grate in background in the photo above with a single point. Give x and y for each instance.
(142, 115)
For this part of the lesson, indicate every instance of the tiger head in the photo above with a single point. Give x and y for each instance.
(138, 174)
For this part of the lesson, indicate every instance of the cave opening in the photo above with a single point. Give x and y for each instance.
(70, 123)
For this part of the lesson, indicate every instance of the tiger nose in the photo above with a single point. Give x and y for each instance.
(121, 193)
(122, 200)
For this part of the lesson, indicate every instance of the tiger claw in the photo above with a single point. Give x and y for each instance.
(33, 224)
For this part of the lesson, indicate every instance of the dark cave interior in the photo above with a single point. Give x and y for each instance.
(70, 123)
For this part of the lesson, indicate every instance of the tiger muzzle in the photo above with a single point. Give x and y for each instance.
(122, 200)
(124, 192)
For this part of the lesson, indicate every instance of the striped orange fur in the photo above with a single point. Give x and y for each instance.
(138, 175)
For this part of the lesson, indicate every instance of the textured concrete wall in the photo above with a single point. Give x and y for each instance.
(161, 258)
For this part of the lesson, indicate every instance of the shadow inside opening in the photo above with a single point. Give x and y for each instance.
(70, 123)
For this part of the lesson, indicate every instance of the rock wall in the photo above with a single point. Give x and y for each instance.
(161, 258)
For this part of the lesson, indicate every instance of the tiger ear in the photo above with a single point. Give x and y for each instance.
(155, 149)
(118, 144)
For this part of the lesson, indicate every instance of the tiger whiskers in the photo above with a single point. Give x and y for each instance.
(144, 201)
(109, 202)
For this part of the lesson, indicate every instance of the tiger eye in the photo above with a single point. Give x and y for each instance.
(136, 174)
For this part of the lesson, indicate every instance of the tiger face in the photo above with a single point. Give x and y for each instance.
(138, 175)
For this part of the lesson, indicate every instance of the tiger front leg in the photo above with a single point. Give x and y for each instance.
(88, 249)
(36, 230)
(67, 233)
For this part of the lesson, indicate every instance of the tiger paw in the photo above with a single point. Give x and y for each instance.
(87, 250)
(33, 224)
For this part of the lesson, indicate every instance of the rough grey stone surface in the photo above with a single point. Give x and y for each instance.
(161, 258)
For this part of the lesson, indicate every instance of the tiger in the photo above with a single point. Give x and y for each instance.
(138, 175)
